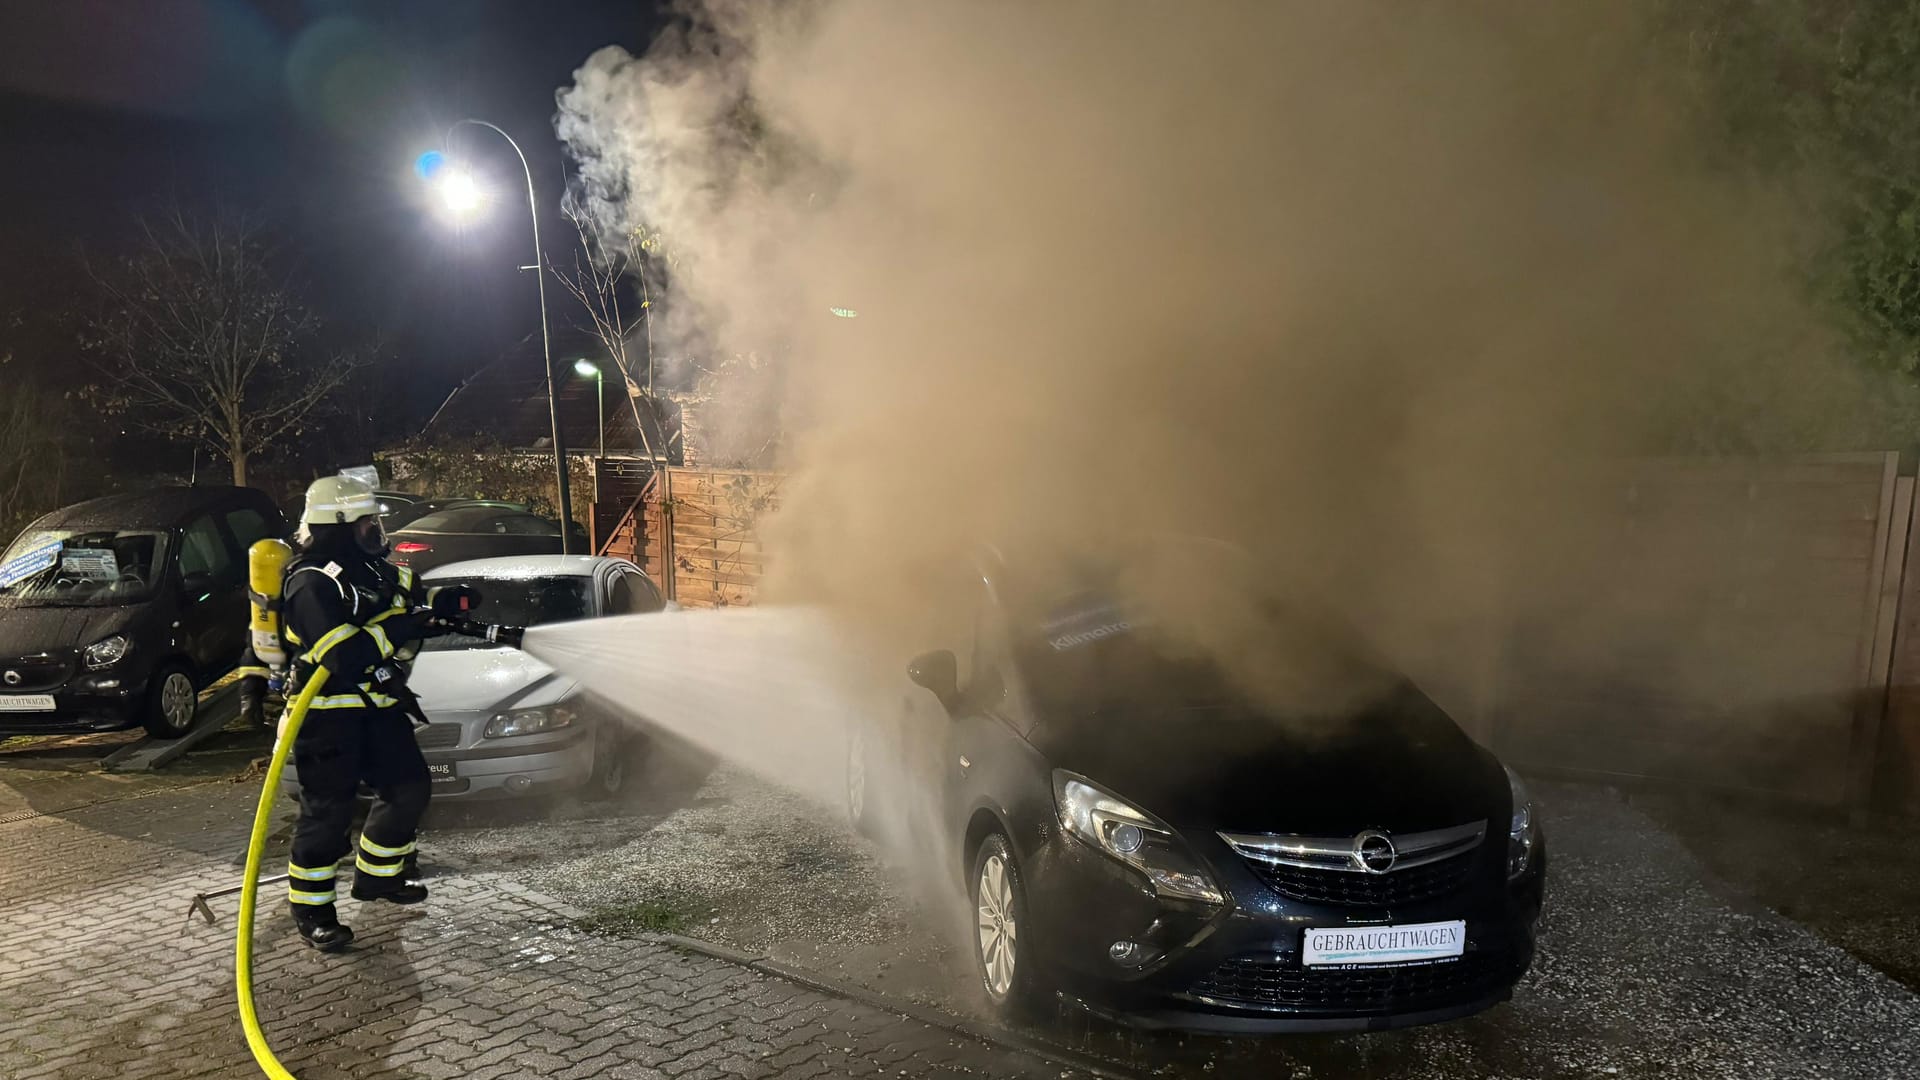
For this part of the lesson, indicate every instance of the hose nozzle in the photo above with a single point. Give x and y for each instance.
(509, 636)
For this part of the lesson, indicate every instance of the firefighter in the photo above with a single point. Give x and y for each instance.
(348, 609)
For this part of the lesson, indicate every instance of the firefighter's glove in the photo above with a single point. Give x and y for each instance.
(454, 602)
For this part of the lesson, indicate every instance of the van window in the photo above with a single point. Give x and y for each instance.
(202, 551)
(248, 526)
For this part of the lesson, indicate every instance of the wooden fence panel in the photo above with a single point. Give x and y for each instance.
(712, 551)
(1733, 627)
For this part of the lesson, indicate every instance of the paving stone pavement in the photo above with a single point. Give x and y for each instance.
(103, 974)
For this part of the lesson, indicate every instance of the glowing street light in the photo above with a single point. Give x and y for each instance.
(459, 192)
(585, 367)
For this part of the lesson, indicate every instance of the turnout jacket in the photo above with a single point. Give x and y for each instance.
(350, 612)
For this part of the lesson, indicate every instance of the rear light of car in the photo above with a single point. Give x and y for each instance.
(408, 547)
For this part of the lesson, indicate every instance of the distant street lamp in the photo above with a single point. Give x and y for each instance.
(462, 195)
(600, 404)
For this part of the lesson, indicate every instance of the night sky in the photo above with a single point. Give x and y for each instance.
(310, 113)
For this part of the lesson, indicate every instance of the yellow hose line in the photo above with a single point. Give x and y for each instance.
(250, 884)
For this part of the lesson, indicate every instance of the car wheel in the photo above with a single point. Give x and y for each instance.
(172, 702)
(863, 779)
(1003, 938)
(611, 764)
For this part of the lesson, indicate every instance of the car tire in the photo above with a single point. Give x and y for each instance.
(612, 764)
(172, 702)
(1003, 949)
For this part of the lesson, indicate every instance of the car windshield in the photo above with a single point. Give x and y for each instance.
(1101, 637)
(82, 567)
(518, 601)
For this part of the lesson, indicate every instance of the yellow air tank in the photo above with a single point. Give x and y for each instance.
(266, 570)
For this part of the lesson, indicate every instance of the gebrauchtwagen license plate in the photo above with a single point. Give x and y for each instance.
(26, 702)
(1354, 946)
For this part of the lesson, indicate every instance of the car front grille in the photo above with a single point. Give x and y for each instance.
(1276, 982)
(1406, 868)
(438, 736)
(1413, 886)
(29, 674)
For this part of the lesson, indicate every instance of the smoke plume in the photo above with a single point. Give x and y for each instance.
(1361, 288)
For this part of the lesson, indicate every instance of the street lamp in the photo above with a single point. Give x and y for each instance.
(462, 196)
(600, 404)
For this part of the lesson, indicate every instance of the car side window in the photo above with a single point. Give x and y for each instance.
(525, 526)
(646, 594)
(204, 551)
(619, 595)
(249, 526)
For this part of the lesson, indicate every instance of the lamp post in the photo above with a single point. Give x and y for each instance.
(588, 367)
(462, 195)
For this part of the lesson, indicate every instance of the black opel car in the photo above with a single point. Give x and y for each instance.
(117, 611)
(1137, 835)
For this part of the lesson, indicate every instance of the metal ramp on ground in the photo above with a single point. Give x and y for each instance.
(218, 707)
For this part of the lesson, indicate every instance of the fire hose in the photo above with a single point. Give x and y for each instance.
(250, 883)
(256, 843)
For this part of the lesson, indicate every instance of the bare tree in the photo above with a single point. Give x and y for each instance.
(598, 270)
(33, 457)
(201, 337)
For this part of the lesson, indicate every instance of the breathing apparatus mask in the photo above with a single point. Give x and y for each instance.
(371, 536)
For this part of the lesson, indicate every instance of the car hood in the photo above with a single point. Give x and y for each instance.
(1401, 765)
(26, 629)
(485, 681)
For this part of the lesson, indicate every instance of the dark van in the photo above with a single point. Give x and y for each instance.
(118, 611)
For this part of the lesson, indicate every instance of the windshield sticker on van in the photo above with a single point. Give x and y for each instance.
(91, 564)
(1086, 627)
(1078, 638)
(30, 563)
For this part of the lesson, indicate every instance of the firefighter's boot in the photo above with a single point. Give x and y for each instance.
(393, 890)
(321, 928)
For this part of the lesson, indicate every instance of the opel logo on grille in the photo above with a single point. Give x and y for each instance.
(1373, 852)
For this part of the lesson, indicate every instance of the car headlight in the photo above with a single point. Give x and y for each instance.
(529, 721)
(1133, 836)
(1521, 832)
(107, 651)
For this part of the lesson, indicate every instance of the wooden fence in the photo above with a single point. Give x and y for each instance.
(692, 531)
(1748, 625)
(1735, 631)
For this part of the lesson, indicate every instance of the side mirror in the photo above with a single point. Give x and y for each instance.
(939, 673)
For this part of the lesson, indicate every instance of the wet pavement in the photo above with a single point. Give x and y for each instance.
(107, 975)
(1654, 962)
(1651, 964)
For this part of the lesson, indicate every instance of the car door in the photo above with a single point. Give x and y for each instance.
(984, 751)
(213, 610)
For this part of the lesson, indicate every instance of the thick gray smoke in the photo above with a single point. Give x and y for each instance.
(1362, 288)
